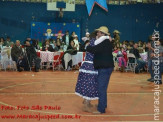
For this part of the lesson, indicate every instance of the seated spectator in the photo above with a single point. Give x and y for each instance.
(67, 58)
(122, 62)
(71, 46)
(47, 47)
(58, 43)
(35, 43)
(18, 56)
(32, 56)
(16, 51)
(8, 42)
(145, 48)
(131, 43)
(44, 43)
(140, 62)
(124, 45)
(54, 46)
(115, 49)
(140, 43)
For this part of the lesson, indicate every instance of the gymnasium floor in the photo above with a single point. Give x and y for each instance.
(33, 97)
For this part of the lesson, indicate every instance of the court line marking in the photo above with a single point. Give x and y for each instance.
(48, 112)
(70, 93)
(42, 82)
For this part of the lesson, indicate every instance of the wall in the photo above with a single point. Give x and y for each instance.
(133, 21)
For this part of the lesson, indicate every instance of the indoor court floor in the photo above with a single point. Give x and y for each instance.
(39, 96)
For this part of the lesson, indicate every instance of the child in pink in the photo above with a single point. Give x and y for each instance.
(122, 62)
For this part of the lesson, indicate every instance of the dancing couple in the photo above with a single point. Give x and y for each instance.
(95, 72)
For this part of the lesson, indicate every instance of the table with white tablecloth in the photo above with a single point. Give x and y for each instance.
(47, 56)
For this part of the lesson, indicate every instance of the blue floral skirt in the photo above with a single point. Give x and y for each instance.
(86, 86)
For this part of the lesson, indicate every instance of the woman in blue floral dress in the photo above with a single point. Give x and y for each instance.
(86, 86)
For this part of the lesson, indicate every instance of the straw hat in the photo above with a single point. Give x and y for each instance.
(116, 31)
(103, 29)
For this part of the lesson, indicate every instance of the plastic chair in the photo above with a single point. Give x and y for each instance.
(56, 62)
(131, 63)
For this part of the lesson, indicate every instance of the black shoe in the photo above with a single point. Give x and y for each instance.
(136, 71)
(149, 79)
(20, 69)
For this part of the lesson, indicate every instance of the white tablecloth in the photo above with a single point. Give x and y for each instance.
(78, 58)
(47, 56)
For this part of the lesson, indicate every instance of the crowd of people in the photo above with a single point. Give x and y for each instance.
(70, 44)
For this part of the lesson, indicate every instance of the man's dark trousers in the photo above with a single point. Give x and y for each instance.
(103, 81)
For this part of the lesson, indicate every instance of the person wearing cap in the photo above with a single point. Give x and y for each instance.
(86, 37)
(103, 63)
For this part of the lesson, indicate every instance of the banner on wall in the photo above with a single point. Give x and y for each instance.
(42, 30)
(91, 3)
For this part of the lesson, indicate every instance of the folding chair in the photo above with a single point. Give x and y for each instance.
(116, 67)
(56, 62)
(131, 63)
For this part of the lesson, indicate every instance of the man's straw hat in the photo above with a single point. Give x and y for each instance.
(103, 29)
(116, 31)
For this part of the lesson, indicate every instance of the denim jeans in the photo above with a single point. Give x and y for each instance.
(160, 70)
(103, 81)
(141, 64)
(150, 67)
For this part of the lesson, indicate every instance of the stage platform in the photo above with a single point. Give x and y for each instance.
(30, 96)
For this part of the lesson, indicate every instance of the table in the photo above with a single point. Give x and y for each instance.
(47, 56)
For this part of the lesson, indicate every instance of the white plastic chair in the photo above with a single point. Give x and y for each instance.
(6, 60)
(131, 63)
